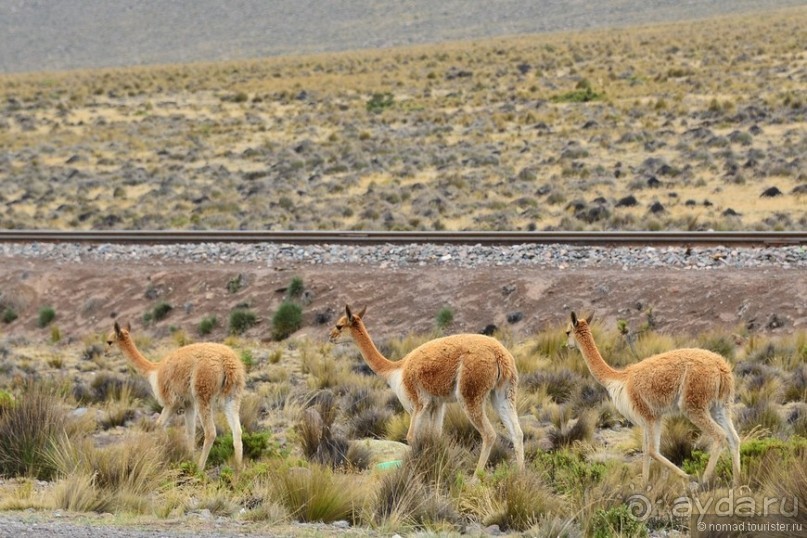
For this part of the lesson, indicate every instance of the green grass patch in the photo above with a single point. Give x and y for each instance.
(582, 93)
(256, 446)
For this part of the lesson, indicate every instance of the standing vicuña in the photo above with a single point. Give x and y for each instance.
(465, 367)
(193, 377)
(696, 382)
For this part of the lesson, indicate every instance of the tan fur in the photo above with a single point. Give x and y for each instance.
(193, 377)
(468, 368)
(696, 382)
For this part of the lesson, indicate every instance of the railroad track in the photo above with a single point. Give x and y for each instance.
(381, 237)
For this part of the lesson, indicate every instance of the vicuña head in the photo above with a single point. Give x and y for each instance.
(192, 377)
(468, 368)
(695, 382)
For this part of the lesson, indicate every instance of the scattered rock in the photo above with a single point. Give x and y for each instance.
(770, 192)
(489, 329)
(657, 207)
(627, 201)
(455, 73)
(593, 214)
(324, 316)
(775, 322)
(514, 317)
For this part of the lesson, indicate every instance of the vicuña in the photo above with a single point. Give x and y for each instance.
(468, 368)
(194, 377)
(695, 382)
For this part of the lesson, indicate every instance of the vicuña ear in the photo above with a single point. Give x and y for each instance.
(348, 313)
(574, 319)
(117, 329)
(129, 326)
(590, 318)
(363, 310)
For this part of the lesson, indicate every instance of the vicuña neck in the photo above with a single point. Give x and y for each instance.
(143, 365)
(377, 362)
(601, 370)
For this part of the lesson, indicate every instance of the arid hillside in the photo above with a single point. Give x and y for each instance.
(697, 125)
(73, 34)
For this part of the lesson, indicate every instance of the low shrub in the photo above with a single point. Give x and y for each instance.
(616, 521)
(241, 320)
(582, 93)
(9, 315)
(235, 283)
(445, 317)
(296, 288)
(378, 102)
(256, 445)
(158, 313)
(46, 315)
(287, 319)
(207, 325)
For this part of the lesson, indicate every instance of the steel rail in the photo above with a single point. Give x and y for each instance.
(382, 237)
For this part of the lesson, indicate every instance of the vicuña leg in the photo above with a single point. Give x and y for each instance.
(209, 426)
(655, 444)
(711, 429)
(723, 417)
(190, 426)
(475, 410)
(415, 417)
(505, 405)
(431, 418)
(646, 434)
(169, 409)
(231, 411)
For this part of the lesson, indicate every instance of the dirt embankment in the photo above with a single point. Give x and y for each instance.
(86, 297)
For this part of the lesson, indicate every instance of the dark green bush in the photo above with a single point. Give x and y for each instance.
(46, 315)
(287, 319)
(296, 287)
(380, 101)
(207, 325)
(158, 313)
(445, 317)
(161, 311)
(235, 283)
(241, 319)
(9, 315)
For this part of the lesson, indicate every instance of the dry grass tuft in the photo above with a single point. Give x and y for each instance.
(316, 493)
(405, 501)
(523, 500)
(125, 476)
(28, 428)
(438, 460)
(318, 439)
(566, 433)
